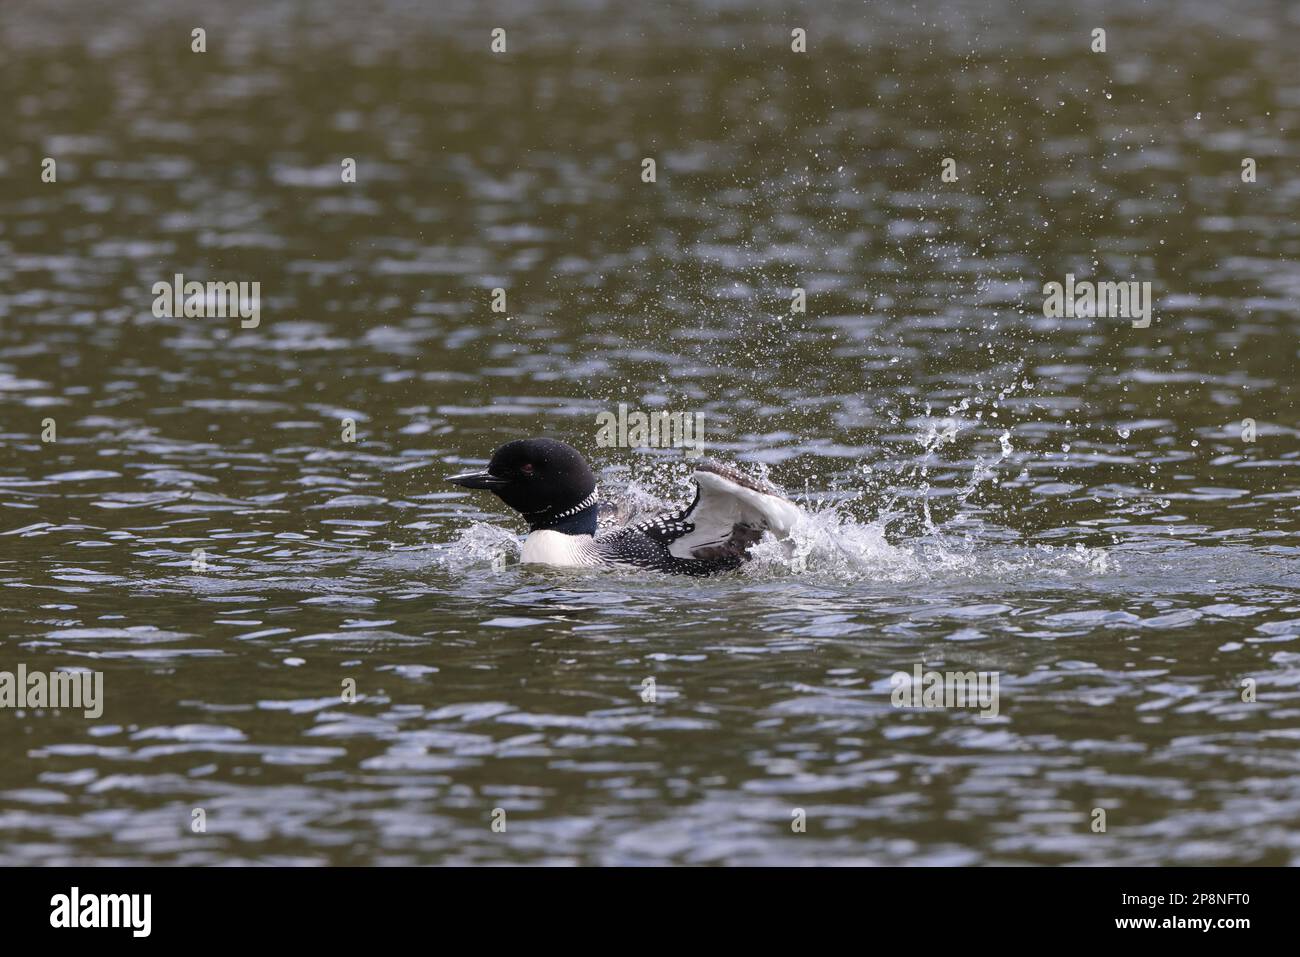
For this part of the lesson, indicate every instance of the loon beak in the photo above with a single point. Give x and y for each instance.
(478, 480)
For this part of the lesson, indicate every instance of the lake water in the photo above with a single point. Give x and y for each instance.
(1072, 503)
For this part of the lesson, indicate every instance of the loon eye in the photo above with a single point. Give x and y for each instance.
(526, 468)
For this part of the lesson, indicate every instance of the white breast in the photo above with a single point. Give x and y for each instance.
(547, 547)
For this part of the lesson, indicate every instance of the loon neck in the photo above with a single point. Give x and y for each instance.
(578, 520)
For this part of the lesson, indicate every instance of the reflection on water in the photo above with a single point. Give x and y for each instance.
(1069, 502)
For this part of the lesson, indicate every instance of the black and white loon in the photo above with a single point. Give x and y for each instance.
(551, 486)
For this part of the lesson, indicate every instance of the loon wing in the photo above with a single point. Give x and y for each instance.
(713, 534)
(730, 513)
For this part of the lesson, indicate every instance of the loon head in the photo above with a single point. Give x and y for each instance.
(547, 482)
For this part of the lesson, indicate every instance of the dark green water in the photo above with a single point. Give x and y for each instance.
(1068, 502)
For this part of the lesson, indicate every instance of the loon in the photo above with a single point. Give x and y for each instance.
(551, 486)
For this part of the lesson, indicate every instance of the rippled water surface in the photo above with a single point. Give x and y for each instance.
(1071, 503)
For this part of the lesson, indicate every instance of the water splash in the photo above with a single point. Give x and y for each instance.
(827, 542)
(482, 543)
(476, 547)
